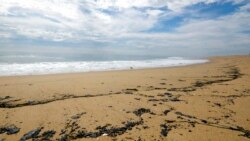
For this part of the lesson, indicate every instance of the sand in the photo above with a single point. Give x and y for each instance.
(192, 103)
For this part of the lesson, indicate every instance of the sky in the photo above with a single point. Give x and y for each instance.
(110, 28)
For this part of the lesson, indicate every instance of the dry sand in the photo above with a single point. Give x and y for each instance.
(192, 103)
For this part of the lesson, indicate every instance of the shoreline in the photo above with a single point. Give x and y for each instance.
(208, 59)
(110, 70)
(196, 102)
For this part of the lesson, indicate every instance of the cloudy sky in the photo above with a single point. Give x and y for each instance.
(125, 27)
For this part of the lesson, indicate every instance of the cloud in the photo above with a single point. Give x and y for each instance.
(53, 19)
(122, 24)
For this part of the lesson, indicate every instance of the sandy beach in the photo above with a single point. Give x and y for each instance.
(204, 102)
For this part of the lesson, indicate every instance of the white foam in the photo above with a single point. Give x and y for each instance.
(13, 69)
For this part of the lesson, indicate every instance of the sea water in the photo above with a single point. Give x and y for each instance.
(58, 66)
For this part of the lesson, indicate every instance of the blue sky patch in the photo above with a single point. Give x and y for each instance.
(214, 10)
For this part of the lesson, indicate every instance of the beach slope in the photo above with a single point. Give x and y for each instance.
(192, 103)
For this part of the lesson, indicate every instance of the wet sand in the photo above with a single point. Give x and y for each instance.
(191, 103)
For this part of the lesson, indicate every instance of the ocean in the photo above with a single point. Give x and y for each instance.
(13, 65)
